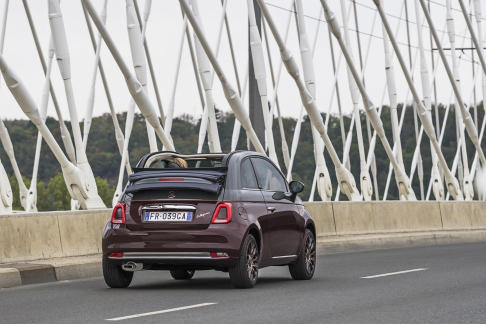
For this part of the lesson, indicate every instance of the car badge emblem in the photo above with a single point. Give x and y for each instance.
(171, 195)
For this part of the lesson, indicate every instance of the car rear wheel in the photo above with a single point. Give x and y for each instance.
(114, 276)
(182, 274)
(304, 267)
(245, 273)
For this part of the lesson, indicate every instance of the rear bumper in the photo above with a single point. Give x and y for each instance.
(164, 256)
(172, 260)
(166, 248)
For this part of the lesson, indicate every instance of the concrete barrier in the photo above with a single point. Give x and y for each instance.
(50, 246)
(81, 234)
(466, 215)
(29, 236)
(358, 218)
(388, 216)
(323, 216)
(45, 235)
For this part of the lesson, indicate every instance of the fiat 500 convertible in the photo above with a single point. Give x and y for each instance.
(230, 212)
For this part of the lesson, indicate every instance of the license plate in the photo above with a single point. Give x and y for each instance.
(168, 216)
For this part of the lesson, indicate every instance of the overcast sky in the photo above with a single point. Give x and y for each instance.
(163, 35)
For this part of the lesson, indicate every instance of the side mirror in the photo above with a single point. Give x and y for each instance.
(296, 187)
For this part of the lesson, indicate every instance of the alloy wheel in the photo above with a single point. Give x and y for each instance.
(252, 260)
(310, 254)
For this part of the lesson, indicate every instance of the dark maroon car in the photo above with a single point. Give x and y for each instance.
(230, 212)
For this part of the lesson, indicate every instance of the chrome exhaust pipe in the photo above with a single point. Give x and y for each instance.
(132, 266)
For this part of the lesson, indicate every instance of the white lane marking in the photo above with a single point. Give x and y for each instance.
(159, 312)
(394, 273)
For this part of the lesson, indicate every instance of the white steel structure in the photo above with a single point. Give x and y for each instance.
(324, 73)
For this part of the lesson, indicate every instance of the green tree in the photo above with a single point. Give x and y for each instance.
(57, 194)
(42, 193)
(105, 191)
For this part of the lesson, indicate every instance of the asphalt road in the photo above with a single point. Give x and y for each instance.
(440, 284)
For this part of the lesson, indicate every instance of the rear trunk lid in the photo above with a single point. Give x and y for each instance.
(173, 199)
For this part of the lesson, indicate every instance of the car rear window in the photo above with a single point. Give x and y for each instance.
(170, 161)
(191, 163)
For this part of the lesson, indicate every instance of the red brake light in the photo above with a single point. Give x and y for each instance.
(216, 255)
(118, 215)
(222, 214)
(116, 255)
(171, 179)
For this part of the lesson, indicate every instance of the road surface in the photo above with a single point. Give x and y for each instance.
(439, 284)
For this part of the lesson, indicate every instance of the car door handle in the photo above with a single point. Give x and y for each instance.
(271, 209)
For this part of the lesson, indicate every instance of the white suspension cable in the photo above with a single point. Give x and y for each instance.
(139, 63)
(344, 177)
(404, 185)
(365, 179)
(428, 127)
(256, 50)
(283, 140)
(231, 96)
(139, 96)
(65, 136)
(91, 96)
(59, 38)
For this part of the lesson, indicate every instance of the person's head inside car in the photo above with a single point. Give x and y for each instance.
(177, 163)
(169, 163)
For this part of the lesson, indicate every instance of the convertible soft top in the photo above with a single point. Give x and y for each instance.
(154, 173)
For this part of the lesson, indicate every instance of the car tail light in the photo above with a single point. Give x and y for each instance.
(116, 255)
(216, 255)
(118, 215)
(222, 214)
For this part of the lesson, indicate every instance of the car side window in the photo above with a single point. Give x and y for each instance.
(248, 179)
(269, 178)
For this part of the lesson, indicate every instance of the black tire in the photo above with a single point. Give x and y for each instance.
(245, 273)
(114, 276)
(182, 274)
(304, 267)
